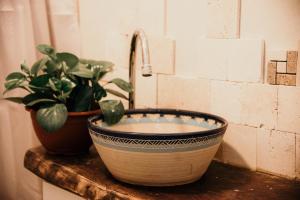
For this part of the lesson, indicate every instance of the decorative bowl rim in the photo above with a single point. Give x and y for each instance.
(177, 112)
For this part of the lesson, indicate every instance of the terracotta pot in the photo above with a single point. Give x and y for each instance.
(73, 138)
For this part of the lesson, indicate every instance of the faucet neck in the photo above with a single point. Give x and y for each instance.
(146, 67)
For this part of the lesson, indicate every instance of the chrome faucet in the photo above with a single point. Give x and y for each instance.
(146, 67)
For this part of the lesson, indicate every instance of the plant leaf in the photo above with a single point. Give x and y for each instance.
(97, 62)
(82, 72)
(116, 93)
(12, 84)
(25, 69)
(38, 65)
(34, 97)
(122, 84)
(70, 59)
(80, 98)
(40, 83)
(52, 118)
(51, 67)
(98, 91)
(15, 99)
(113, 111)
(14, 80)
(32, 103)
(47, 50)
(15, 75)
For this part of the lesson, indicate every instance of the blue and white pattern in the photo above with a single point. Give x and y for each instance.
(141, 145)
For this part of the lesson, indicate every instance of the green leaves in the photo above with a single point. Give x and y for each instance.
(61, 82)
(116, 93)
(38, 65)
(47, 50)
(113, 111)
(53, 117)
(25, 69)
(122, 84)
(80, 99)
(70, 59)
(103, 64)
(82, 71)
(14, 80)
(15, 99)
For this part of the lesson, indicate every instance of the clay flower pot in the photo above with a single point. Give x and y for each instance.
(73, 138)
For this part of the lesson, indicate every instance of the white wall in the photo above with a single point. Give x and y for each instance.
(209, 55)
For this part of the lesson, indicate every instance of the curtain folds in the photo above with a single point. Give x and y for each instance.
(23, 25)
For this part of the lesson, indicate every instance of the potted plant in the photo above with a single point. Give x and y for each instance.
(63, 91)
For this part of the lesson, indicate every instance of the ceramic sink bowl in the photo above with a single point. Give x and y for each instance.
(158, 147)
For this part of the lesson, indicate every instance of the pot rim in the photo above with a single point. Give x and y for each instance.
(158, 136)
(84, 113)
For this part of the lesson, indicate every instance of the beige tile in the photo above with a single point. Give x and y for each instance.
(281, 67)
(146, 87)
(246, 60)
(277, 55)
(150, 16)
(186, 18)
(239, 146)
(226, 100)
(291, 67)
(223, 19)
(116, 49)
(234, 60)
(292, 56)
(106, 18)
(298, 67)
(288, 112)
(276, 152)
(286, 79)
(162, 54)
(183, 93)
(259, 105)
(298, 156)
(271, 76)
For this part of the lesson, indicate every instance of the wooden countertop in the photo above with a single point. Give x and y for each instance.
(87, 177)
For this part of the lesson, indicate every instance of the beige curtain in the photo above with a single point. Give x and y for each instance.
(23, 25)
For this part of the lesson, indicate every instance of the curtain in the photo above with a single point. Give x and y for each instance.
(23, 25)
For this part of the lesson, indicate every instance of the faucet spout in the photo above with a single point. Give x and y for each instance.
(146, 67)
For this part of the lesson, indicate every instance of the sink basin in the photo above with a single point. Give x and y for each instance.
(158, 147)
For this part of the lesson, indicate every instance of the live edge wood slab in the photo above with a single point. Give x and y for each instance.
(87, 177)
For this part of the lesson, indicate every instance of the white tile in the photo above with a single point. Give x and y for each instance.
(212, 58)
(183, 93)
(281, 67)
(234, 60)
(145, 91)
(226, 100)
(151, 16)
(116, 49)
(107, 21)
(298, 156)
(186, 61)
(239, 146)
(288, 109)
(276, 152)
(186, 19)
(277, 55)
(162, 54)
(259, 105)
(223, 19)
(246, 59)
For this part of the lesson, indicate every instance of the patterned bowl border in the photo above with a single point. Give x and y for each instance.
(105, 131)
